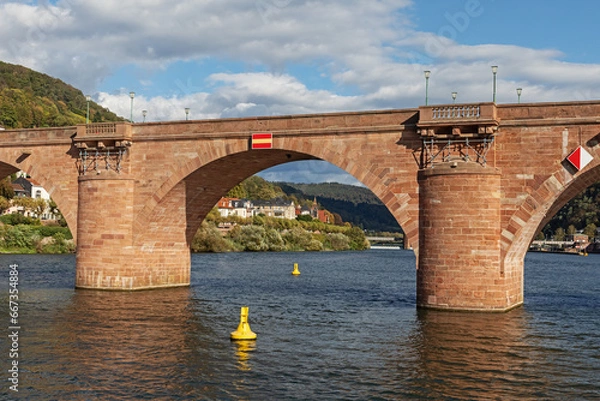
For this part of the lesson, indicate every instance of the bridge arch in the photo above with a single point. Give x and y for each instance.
(542, 205)
(201, 182)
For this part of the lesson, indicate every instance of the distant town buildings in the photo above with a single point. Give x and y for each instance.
(278, 208)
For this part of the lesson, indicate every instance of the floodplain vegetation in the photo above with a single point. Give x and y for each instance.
(21, 234)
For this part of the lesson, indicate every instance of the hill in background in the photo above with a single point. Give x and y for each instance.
(30, 99)
(356, 205)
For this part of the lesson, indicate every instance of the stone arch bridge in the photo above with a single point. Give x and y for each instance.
(469, 184)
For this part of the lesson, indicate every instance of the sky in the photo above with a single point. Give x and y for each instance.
(238, 58)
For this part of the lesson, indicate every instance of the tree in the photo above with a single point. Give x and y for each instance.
(304, 217)
(4, 204)
(559, 234)
(590, 230)
(39, 207)
(6, 189)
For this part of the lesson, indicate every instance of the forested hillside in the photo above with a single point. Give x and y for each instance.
(356, 205)
(30, 99)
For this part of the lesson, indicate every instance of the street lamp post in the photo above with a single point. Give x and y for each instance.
(519, 91)
(494, 71)
(87, 113)
(131, 95)
(454, 94)
(427, 75)
(144, 112)
(187, 113)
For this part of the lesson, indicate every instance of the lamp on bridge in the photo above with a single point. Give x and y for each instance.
(87, 113)
(519, 91)
(187, 113)
(454, 94)
(131, 95)
(427, 75)
(494, 71)
(144, 112)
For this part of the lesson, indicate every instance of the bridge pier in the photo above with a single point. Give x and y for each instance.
(108, 257)
(460, 264)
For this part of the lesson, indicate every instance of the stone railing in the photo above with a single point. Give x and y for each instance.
(452, 112)
(103, 131)
(464, 113)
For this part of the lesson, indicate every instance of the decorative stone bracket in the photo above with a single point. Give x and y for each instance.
(102, 146)
(456, 133)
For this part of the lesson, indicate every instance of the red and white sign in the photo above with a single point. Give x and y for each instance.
(262, 140)
(580, 158)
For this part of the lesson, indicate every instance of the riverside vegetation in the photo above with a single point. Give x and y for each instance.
(20, 234)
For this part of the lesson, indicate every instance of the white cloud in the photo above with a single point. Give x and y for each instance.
(291, 56)
(370, 46)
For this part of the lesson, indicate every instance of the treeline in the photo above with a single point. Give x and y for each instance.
(31, 99)
(260, 233)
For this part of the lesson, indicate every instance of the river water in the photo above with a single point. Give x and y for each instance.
(346, 329)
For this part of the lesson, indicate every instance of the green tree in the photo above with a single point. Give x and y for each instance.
(358, 239)
(304, 217)
(297, 239)
(39, 206)
(590, 230)
(559, 234)
(27, 203)
(4, 204)
(338, 242)
(250, 238)
(209, 239)
(6, 189)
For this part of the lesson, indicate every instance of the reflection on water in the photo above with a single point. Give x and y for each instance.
(461, 355)
(243, 350)
(104, 339)
(347, 328)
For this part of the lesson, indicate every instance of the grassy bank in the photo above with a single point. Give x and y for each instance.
(20, 234)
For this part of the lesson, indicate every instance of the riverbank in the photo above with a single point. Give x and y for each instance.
(36, 238)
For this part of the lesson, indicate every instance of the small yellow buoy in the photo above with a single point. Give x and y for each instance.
(296, 272)
(243, 331)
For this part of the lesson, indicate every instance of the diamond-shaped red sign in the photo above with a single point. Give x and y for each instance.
(580, 158)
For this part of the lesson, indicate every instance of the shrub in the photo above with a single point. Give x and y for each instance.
(274, 240)
(358, 239)
(250, 238)
(16, 219)
(297, 239)
(338, 242)
(209, 239)
(18, 237)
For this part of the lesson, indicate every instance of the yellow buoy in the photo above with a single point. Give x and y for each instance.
(296, 272)
(243, 331)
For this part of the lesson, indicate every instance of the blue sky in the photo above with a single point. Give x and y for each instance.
(236, 58)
